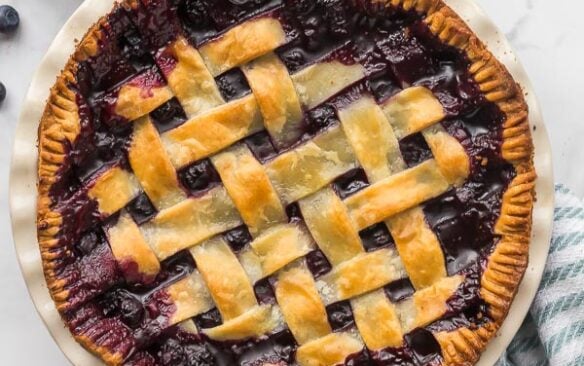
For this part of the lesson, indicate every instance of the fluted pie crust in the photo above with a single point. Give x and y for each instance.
(60, 126)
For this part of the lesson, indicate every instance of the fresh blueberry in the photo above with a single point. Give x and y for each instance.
(2, 92)
(9, 19)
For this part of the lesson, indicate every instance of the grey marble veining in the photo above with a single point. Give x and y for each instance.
(547, 35)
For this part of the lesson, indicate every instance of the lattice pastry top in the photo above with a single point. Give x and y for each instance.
(270, 182)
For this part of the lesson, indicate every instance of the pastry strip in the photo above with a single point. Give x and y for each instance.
(319, 82)
(153, 167)
(190, 297)
(306, 169)
(396, 194)
(301, 305)
(450, 155)
(250, 188)
(137, 260)
(330, 350)
(191, 222)
(189, 79)
(113, 190)
(331, 226)
(212, 131)
(276, 96)
(418, 246)
(243, 43)
(361, 274)
(377, 320)
(372, 138)
(216, 262)
(256, 322)
(429, 304)
(413, 110)
(274, 249)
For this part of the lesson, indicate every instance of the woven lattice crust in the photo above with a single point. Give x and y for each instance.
(60, 127)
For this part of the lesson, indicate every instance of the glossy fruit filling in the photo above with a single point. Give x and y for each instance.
(397, 50)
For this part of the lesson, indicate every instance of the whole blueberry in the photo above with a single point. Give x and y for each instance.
(9, 19)
(2, 92)
(197, 13)
(131, 309)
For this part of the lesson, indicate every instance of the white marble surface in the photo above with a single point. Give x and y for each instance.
(546, 35)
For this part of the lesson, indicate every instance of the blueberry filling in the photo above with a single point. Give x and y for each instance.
(158, 21)
(210, 319)
(88, 243)
(107, 147)
(415, 150)
(375, 237)
(199, 177)
(141, 209)
(350, 183)
(393, 356)
(396, 50)
(317, 263)
(172, 270)
(233, 85)
(125, 305)
(204, 19)
(238, 238)
(362, 358)
(134, 50)
(317, 28)
(264, 291)
(277, 350)
(320, 118)
(425, 348)
(261, 146)
(399, 290)
(294, 213)
(340, 315)
(384, 86)
(196, 20)
(173, 352)
(464, 218)
(119, 58)
(168, 116)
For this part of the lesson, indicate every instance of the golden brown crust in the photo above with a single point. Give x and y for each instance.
(60, 126)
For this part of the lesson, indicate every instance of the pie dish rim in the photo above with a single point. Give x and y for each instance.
(504, 307)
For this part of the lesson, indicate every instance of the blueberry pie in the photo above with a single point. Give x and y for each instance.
(284, 182)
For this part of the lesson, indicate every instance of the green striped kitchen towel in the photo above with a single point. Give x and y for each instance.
(553, 332)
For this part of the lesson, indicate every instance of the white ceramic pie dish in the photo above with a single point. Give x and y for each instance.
(23, 176)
